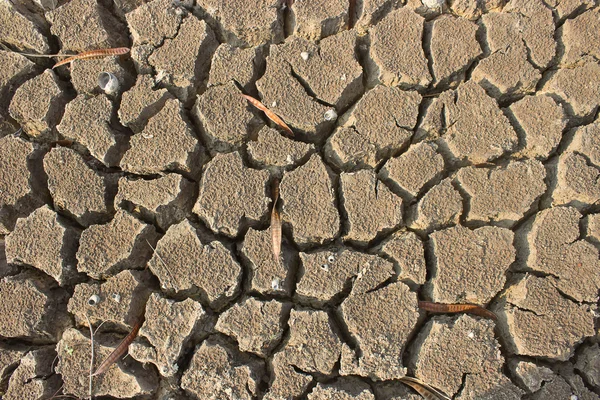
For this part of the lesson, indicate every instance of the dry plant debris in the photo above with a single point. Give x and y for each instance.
(417, 216)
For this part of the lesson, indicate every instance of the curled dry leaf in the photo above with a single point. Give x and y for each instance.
(92, 54)
(426, 391)
(120, 349)
(272, 116)
(276, 222)
(457, 308)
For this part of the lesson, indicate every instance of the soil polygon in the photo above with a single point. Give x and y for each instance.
(440, 207)
(231, 194)
(272, 149)
(34, 377)
(317, 19)
(87, 121)
(182, 262)
(153, 22)
(482, 256)
(231, 63)
(308, 203)
(407, 251)
(46, 241)
(342, 389)
(370, 206)
(17, 30)
(77, 189)
(141, 102)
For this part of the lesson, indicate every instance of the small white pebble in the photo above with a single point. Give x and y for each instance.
(471, 335)
(116, 297)
(275, 284)
(289, 159)
(147, 135)
(330, 115)
(274, 104)
(325, 267)
(433, 3)
(574, 397)
(304, 55)
(343, 77)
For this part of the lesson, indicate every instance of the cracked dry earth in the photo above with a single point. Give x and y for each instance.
(445, 152)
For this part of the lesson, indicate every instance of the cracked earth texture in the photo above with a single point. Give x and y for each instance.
(444, 151)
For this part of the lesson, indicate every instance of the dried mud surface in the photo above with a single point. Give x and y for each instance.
(442, 151)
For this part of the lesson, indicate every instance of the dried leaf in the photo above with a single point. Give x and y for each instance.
(457, 308)
(276, 222)
(91, 54)
(120, 349)
(428, 392)
(272, 116)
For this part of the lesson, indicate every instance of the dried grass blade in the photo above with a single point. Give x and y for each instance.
(272, 116)
(120, 349)
(426, 391)
(86, 55)
(276, 222)
(457, 308)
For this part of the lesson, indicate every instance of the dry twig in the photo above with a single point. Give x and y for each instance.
(272, 116)
(276, 222)
(120, 349)
(92, 54)
(428, 392)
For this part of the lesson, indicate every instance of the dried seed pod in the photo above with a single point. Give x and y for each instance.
(457, 308)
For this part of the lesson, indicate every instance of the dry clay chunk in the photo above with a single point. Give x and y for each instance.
(312, 345)
(231, 194)
(16, 190)
(256, 325)
(415, 168)
(330, 70)
(16, 70)
(231, 63)
(288, 381)
(507, 70)
(9, 360)
(37, 105)
(167, 344)
(224, 128)
(20, 32)
(220, 372)
(316, 19)
(372, 11)
(578, 88)
(28, 310)
(439, 208)
(246, 22)
(502, 195)
(454, 46)
(379, 125)
(408, 253)
(553, 248)
(74, 351)
(141, 102)
(536, 320)
(120, 244)
(588, 362)
(166, 200)
(531, 375)
(570, 386)
(76, 188)
(472, 10)
(87, 121)
(121, 299)
(181, 262)
(283, 94)
(183, 62)
(325, 274)
(371, 207)
(273, 149)
(34, 378)
(470, 265)
(474, 127)
(82, 25)
(447, 350)
(268, 275)
(342, 389)
(153, 22)
(165, 144)
(578, 169)
(390, 311)
(396, 48)
(309, 203)
(45, 241)
(579, 36)
(542, 121)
